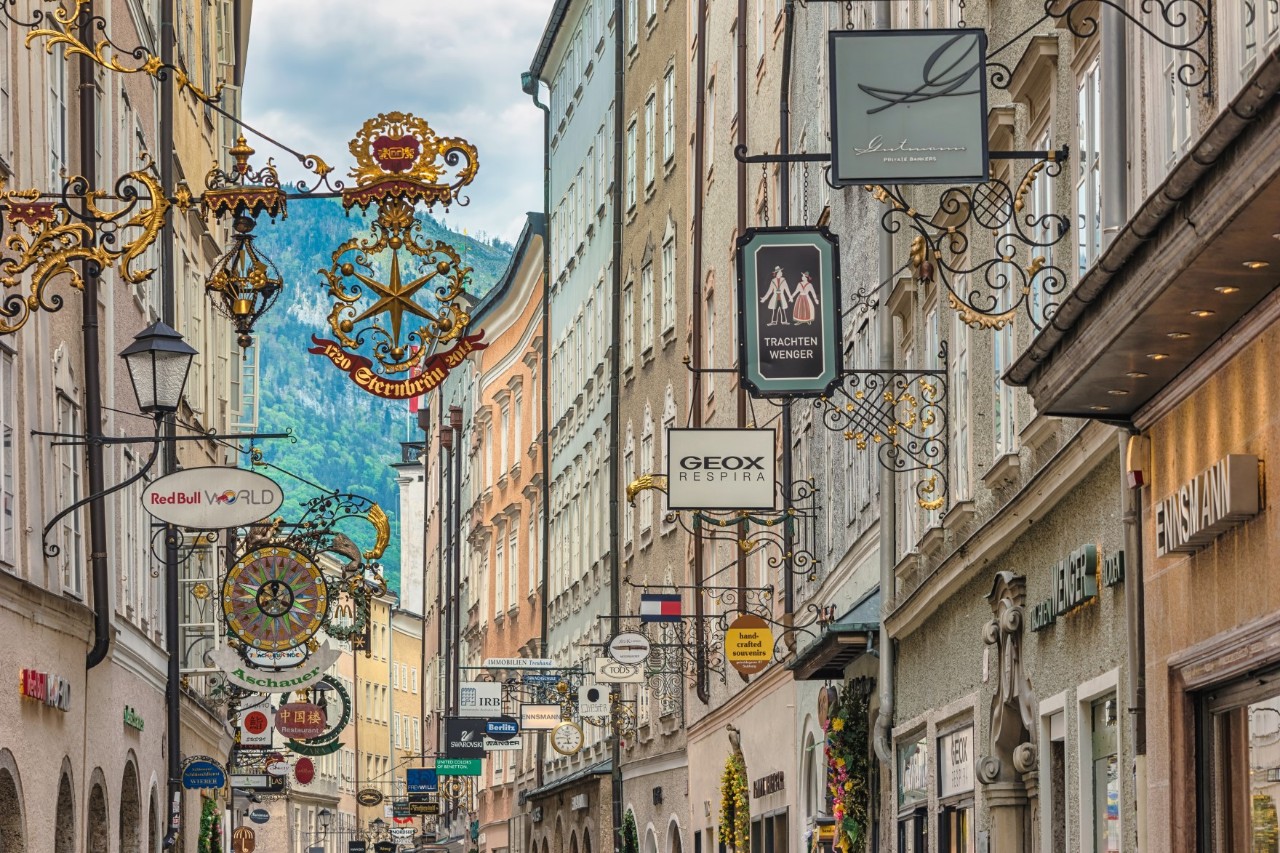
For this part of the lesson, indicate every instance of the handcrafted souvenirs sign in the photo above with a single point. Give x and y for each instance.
(421, 378)
(721, 469)
(789, 312)
(748, 644)
(212, 498)
(908, 106)
(1217, 499)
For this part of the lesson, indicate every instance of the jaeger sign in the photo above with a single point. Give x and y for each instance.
(212, 498)
(721, 469)
(788, 311)
(1219, 498)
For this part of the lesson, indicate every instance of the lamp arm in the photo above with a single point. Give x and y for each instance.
(51, 549)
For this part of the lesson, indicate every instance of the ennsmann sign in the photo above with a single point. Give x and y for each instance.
(721, 469)
(1217, 499)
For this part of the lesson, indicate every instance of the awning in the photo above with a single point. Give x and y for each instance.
(602, 768)
(844, 641)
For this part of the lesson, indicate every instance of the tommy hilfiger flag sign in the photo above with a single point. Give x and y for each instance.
(659, 607)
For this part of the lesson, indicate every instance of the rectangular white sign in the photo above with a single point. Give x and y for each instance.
(491, 745)
(955, 763)
(539, 718)
(479, 699)
(721, 469)
(609, 671)
(593, 701)
(519, 663)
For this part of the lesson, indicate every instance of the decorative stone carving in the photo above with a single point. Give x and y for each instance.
(1013, 705)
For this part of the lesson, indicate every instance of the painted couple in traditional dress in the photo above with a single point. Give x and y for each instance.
(802, 300)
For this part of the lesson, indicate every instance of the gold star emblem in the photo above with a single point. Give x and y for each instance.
(395, 297)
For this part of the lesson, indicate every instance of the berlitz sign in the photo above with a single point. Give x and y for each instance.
(721, 469)
(1219, 498)
(212, 498)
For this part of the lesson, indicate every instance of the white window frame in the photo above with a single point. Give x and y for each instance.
(628, 327)
(69, 480)
(650, 120)
(646, 462)
(633, 26)
(513, 552)
(9, 485)
(1088, 168)
(499, 568)
(669, 279)
(646, 309)
(630, 162)
(669, 115)
(962, 464)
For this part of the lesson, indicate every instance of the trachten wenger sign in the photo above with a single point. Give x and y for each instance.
(212, 498)
(908, 106)
(789, 312)
(1217, 499)
(721, 469)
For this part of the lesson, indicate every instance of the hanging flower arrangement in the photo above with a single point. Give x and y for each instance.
(210, 840)
(849, 766)
(735, 808)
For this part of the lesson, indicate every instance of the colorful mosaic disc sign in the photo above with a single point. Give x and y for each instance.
(274, 598)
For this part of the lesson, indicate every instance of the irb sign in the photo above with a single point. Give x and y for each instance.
(479, 699)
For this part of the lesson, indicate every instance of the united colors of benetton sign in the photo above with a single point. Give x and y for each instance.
(789, 311)
(908, 106)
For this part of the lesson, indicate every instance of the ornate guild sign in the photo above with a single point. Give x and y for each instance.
(397, 294)
(274, 598)
(789, 311)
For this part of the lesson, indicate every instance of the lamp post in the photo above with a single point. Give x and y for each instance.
(159, 361)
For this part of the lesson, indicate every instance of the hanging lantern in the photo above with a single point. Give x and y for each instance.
(244, 283)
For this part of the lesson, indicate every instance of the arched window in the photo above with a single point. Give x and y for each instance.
(646, 466)
(674, 844)
(130, 811)
(98, 827)
(64, 837)
(650, 840)
(13, 835)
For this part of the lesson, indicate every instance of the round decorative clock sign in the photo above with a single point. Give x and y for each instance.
(274, 598)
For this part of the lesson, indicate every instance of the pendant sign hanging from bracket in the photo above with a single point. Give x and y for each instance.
(908, 106)
(789, 341)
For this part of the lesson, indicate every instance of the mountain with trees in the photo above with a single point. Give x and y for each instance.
(346, 438)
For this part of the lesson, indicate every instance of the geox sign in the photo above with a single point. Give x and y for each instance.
(721, 469)
(1219, 498)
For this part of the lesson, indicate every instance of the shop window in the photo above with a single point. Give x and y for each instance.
(1238, 728)
(955, 791)
(913, 794)
(1106, 777)
(769, 834)
(913, 832)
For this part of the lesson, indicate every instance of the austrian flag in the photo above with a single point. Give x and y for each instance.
(659, 607)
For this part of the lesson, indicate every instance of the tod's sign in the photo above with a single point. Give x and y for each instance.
(212, 498)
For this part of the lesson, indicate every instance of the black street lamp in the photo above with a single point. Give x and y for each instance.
(158, 361)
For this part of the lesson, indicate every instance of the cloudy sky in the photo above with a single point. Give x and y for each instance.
(317, 69)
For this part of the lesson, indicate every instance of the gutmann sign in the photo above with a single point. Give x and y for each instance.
(212, 498)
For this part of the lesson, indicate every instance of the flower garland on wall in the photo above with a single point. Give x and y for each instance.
(210, 840)
(735, 808)
(849, 765)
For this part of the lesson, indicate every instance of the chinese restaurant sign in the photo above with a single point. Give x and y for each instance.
(789, 311)
(908, 106)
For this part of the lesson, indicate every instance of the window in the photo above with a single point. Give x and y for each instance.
(646, 462)
(628, 328)
(710, 151)
(56, 71)
(646, 309)
(8, 454)
(633, 34)
(908, 533)
(532, 545)
(959, 366)
(396, 728)
(759, 31)
(650, 120)
(1175, 111)
(70, 535)
(1238, 727)
(710, 336)
(602, 171)
(669, 279)
(630, 161)
(6, 86)
(500, 568)
(1044, 233)
(504, 441)
(628, 474)
(652, 10)
(1088, 171)
(669, 115)
(1106, 777)
(1004, 411)
(413, 679)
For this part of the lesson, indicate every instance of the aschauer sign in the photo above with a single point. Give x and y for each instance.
(908, 106)
(789, 311)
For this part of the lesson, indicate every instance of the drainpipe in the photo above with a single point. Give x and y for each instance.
(93, 379)
(695, 405)
(740, 99)
(784, 219)
(455, 421)
(529, 85)
(615, 377)
(1115, 130)
(888, 517)
(1134, 456)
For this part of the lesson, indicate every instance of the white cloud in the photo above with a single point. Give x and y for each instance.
(317, 69)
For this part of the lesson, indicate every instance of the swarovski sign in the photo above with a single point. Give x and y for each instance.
(721, 469)
(908, 106)
(212, 498)
(1217, 499)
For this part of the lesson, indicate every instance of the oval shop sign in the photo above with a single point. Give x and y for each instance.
(212, 498)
